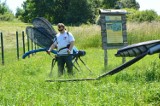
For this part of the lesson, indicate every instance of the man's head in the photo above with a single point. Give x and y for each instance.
(61, 27)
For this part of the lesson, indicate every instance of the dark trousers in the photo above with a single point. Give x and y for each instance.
(61, 61)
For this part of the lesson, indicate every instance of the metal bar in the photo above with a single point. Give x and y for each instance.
(28, 45)
(23, 41)
(35, 46)
(17, 44)
(32, 46)
(2, 48)
(71, 80)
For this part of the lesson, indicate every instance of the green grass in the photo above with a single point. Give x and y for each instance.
(22, 82)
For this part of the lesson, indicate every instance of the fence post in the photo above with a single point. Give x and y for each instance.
(17, 44)
(32, 46)
(23, 41)
(2, 48)
(28, 45)
(35, 47)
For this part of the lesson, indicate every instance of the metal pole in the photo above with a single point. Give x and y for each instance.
(23, 40)
(123, 60)
(17, 44)
(28, 45)
(32, 45)
(2, 48)
(35, 47)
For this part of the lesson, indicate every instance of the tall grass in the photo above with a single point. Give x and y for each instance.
(87, 35)
(139, 32)
(9, 32)
(23, 82)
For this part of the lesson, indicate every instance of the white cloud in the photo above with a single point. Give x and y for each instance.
(14, 4)
(149, 4)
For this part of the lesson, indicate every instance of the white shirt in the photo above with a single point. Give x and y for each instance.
(62, 40)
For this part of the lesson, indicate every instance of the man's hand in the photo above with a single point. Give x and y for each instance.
(69, 52)
(48, 52)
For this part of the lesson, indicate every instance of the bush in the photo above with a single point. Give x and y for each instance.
(6, 17)
(142, 16)
(158, 18)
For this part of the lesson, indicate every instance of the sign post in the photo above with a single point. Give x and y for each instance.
(113, 30)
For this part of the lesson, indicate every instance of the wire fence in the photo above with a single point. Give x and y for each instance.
(22, 45)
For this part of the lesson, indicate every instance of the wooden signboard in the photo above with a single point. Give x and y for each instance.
(113, 29)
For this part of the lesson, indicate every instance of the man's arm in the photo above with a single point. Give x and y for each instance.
(70, 47)
(51, 48)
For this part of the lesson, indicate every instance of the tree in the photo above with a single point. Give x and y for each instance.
(130, 4)
(108, 4)
(5, 13)
(3, 8)
(66, 11)
(79, 12)
(19, 13)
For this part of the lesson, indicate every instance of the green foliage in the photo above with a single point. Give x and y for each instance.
(74, 12)
(3, 8)
(158, 18)
(118, 4)
(7, 17)
(83, 14)
(66, 11)
(154, 98)
(5, 13)
(153, 72)
(141, 16)
(109, 4)
(19, 13)
(129, 4)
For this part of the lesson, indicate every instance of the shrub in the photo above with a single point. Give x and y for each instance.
(141, 16)
(158, 18)
(6, 17)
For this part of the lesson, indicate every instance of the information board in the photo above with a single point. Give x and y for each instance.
(114, 29)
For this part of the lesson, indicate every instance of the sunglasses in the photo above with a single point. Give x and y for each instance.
(60, 26)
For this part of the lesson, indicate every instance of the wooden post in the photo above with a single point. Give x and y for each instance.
(105, 59)
(2, 48)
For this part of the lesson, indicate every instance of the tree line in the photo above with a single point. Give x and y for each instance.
(73, 12)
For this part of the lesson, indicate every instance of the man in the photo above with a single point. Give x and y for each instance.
(64, 42)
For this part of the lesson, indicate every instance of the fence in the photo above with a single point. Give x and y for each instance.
(22, 45)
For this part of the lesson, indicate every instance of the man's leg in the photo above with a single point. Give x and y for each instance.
(60, 62)
(69, 64)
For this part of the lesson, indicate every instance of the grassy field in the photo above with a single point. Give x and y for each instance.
(22, 82)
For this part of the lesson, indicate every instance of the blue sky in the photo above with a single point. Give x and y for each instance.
(144, 4)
